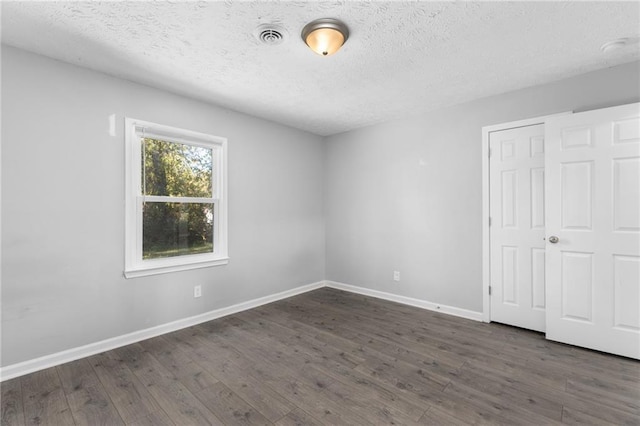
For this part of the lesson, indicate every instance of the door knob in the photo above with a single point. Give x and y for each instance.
(553, 239)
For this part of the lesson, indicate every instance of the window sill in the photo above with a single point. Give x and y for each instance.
(156, 270)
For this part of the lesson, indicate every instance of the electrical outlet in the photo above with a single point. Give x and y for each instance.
(396, 275)
(197, 291)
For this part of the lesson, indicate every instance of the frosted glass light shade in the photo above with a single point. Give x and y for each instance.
(325, 36)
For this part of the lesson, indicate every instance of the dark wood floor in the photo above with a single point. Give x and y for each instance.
(329, 357)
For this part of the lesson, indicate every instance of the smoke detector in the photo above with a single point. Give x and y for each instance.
(270, 34)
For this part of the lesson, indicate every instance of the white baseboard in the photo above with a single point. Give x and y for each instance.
(437, 307)
(47, 361)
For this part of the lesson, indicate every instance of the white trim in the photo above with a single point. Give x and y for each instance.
(166, 199)
(52, 360)
(173, 134)
(47, 361)
(419, 303)
(486, 243)
(134, 264)
(185, 265)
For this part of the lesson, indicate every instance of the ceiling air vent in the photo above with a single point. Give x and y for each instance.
(270, 34)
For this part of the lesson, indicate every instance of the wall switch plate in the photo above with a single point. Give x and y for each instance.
(197, 291)
(396, 275)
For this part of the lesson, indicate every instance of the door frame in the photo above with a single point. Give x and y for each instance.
(486, 242)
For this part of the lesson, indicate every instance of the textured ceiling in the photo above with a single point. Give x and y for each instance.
(401, 57)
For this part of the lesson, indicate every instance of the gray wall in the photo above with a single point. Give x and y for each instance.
(63, 209)
(407, 195)
(404, 195)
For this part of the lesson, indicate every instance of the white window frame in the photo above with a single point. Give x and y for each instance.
(135, 265)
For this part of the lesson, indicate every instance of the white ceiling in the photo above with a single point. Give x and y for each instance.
(401, 57)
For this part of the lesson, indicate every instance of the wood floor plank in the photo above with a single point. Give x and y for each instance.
(368, 338)
(89, 401)
(216, 354)
(264, 343)
(198, 341)
(486, 383)
(440, 348)
(460, 408)
(510, 370)
(312, 400)
(611, 363)
(266, 362)
(130, 397)
(334, 358)
(404, 314)
(589, 407)
(437, 417)
(624, 400)
(176, 400)
(544, 360)
(287, 375)
(608, 382)
(279, 364)
(372, 410)
(494, 404)
(308, 343)
(436, 366)
(403, 376)
(44, 400)
(229, 407)
(153, 419)
(186, 338)
(11, 400)
(258, 394)
(293, 379)
(298, 418)
(575, 417)
(240, 380)
(176, 360)
(375, 390)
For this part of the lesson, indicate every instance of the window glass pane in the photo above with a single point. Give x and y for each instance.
(175, 169)
(176, 229)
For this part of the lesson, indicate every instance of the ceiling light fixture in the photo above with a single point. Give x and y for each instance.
(325, 36)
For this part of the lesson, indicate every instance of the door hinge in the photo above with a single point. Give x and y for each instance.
(489, 153)
(489, 220)
(489, 290)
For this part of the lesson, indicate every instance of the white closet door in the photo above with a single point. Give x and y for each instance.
(516, 176)
(592, 165)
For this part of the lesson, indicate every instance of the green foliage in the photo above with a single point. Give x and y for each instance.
(176, 170)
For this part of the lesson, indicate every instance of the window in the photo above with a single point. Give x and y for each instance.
(176, 210)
